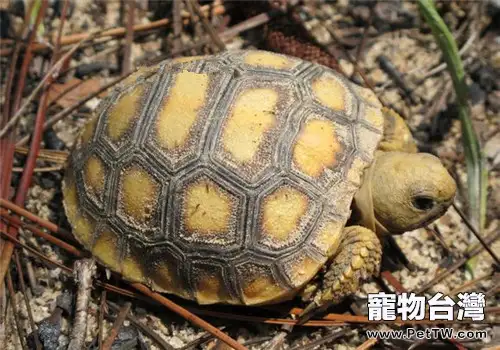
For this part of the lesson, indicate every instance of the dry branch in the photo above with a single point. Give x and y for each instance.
(84, 273)
(117, 32)
(116, 326)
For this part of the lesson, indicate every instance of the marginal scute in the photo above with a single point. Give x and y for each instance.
(142, 72)
(368, 140)
(70, 197)
(302, 268)
(165, 278)
(208, 213)
(268, 59)
(281, 215)
(374, 117)
(132, 268)
(94, 176)
(84, 227)
(187, 59)
(122, 115)
(209, 286)
(253, 115)
(106, 248)
(259, 286)
(332, 93)
(180, 109)
(368, 95)
(88, 130)
(326, 237)
(138, 195)
(356, 170)
(316, 147)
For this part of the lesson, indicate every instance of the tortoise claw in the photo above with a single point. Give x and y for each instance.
(312, 309)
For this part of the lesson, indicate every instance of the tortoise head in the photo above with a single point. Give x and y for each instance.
(409, 190)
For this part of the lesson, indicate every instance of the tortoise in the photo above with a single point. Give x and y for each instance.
(235, 178)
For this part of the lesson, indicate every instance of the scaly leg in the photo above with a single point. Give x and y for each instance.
(357, 258)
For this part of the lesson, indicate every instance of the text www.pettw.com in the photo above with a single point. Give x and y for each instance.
(429, 333)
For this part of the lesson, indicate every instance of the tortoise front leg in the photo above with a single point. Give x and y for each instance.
(357, 258)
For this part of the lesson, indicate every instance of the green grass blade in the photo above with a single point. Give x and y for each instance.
(476, 170)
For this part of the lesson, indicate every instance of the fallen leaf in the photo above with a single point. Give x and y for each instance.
(78, 90)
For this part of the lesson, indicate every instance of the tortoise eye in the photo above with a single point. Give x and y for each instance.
(423, 203)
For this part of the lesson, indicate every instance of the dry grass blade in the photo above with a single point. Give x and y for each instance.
(46, 155)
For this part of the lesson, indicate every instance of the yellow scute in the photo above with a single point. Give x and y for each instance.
(132, 269)
(106, 249)
(368, 95)
(123, 113)
(180, 109)
(302, 269)
(84, 229)
(88, 130)
(374, 116)
(261, 289)
(210, 289)
(70, 197)
(281, 213)
(316, 147)
(207, 209)
(253, 115)
(328, 236)
(138, 194)
(268, 59)
(94, 175)
(165, 279)
(331, 93)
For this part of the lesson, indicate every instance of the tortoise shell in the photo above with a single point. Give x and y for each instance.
(222, 179)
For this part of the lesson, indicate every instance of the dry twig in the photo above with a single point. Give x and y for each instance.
(102, 311)
(145, 329)
(118, 32)
(20, 273)
(207, 25)
(84, 273)
(129, 38)
(116, 326)
(13, 304)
